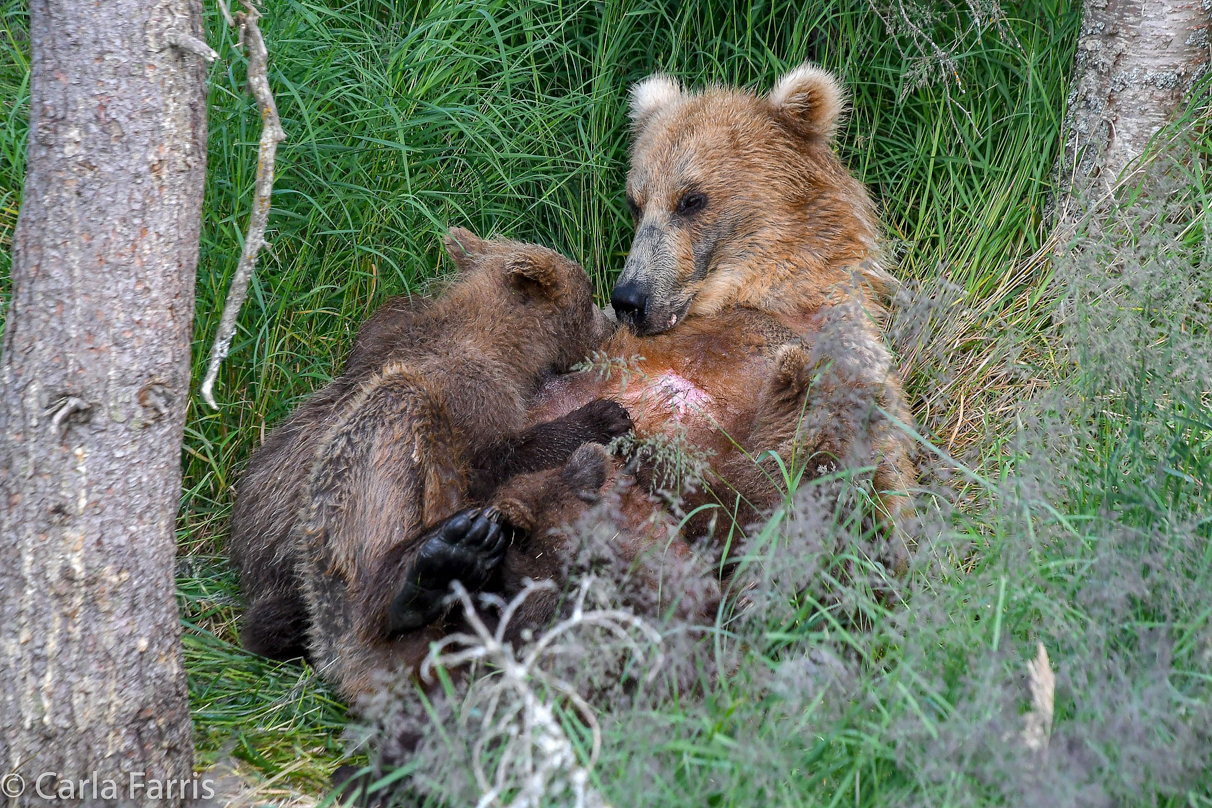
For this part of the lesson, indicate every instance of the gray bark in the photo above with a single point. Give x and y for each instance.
(1136, 60)
(93, 387)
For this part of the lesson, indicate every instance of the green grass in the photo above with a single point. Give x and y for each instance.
(510, 118)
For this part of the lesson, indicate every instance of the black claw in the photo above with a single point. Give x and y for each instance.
(492, 540)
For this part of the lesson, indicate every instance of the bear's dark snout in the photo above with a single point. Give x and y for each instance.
(630, 302)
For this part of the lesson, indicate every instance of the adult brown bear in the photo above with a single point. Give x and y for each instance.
(753, 293)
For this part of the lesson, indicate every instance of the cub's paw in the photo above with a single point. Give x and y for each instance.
(467, 547)
(603, 420)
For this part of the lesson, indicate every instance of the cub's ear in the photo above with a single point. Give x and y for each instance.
(585, 471)
(794, 372)
(651, 95)
(464, 247)
(809, 101)
(536, 274)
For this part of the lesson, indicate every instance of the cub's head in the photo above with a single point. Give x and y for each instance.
(731, 192)
(530, 301)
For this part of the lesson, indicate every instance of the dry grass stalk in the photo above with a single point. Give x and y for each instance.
(235, 785)
(1043, 690)
(979, 388)
(514, 709)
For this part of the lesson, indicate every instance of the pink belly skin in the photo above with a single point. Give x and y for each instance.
(656, 404)
(669, 396)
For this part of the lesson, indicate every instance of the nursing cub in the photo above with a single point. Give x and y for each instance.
(429, 418)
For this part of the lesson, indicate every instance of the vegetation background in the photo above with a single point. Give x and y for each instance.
(1058, 381)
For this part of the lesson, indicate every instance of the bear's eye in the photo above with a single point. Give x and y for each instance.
(633, 207)
(692, 202)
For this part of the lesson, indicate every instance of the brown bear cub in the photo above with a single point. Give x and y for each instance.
(269, 494)
(348, 530)
(753, 295)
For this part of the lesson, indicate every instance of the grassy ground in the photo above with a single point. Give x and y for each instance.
(509, 117)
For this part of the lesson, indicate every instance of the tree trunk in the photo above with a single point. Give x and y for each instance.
(93, 386)
(1136, 60)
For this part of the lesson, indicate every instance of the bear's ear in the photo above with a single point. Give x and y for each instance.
(535, 274)
(809, 101)
(794, 372)
(585, 471)
(650, 95)
(464, 247)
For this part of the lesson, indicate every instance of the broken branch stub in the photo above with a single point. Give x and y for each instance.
(271, 136)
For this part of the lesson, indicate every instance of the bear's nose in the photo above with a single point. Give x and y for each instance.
(630, 301)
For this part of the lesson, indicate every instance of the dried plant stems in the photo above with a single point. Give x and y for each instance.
(1038, 727)
(514, 710)
(271, 135)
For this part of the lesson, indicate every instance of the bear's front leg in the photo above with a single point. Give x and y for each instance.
(467, 547)
(546, 445)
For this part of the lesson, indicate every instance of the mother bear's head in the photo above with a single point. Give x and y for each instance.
(739, 199)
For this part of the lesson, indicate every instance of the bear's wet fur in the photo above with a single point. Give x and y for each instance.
(753, 294)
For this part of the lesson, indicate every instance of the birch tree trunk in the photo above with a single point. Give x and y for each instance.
(1136, 60)
(93, 387)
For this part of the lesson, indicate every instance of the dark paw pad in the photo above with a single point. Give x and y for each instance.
(467, 547)
(604, 419)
